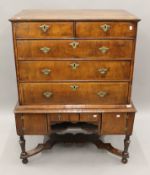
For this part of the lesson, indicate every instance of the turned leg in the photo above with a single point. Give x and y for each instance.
(125, 154)
(23, 155)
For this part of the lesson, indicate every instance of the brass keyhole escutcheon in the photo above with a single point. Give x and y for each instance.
(74, 66)
(105, 27)
(74, 87)
(74, 44)
(44, 28)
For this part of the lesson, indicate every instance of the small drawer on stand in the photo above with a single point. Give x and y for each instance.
(89, 117)
(64, 117)
(74, 117)
(34, 124)
(114, 123)
(59, 117)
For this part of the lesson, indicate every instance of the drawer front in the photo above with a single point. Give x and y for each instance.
(59, 117)
(64, 117)
(105, 29)
(89, 117)
(74, 93)
(74, 70)
(44, 30)
(35, 124)
(100, 49)
(114, 123)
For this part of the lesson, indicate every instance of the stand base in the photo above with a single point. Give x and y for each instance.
(77, 138)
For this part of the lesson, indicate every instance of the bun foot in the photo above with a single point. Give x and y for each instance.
(124, 160)
(25, 161)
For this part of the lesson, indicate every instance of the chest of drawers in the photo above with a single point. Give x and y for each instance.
(74, 69)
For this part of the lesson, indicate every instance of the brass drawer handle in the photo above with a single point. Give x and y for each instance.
(74, 87)
(105, 27)
(94, 115)
(46, 71)
(102, 94)
(103, 71)
(103, 49)
(45, 50)
(74, 44)
(74, 66)
(118, 116)
(47, 94)
(44, 28)
(59, 117)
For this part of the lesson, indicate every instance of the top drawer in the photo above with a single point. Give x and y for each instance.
(105, 29)
(44, 30)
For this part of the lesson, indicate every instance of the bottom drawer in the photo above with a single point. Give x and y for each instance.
(74, 93)
(114, 123)
(34, 124)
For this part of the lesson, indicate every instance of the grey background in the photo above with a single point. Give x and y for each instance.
(72, 160)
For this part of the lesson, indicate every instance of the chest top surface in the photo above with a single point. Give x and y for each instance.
(44, 15)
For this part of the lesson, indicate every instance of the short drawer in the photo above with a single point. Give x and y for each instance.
(63, 117)
(73, 70)
(34, 124)
(50, 49)
(89, 117)
(114, 123)
(105, 29)
(73, 93)
(44, 30)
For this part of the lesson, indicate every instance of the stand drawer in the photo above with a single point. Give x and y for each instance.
(34, 124)
(114, 123)
(90, 117)
(63, 117)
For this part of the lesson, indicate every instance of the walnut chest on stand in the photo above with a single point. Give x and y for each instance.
(74, 70)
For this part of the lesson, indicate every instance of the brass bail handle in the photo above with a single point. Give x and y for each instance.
(46, 71)
(45, 50)
(103, 49)
(102, 94)
(74, 87)
(103, 70)
(47, 94)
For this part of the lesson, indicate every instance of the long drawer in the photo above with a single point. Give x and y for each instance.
(73, 93)
(50, 49)
(74, 70)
